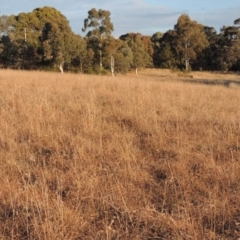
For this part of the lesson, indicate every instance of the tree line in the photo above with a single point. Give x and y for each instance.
(43, 39)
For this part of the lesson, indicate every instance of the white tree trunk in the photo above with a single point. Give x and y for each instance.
(112, 65)
(136, 71)
(60, 66)
(100, 53)
(186, 55)
(187, 64)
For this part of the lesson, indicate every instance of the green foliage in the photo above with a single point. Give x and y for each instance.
(180, 47)
(4, 24)
(206, 59)
(41, 37)
(155, 39)
(57, 39)
(100, 28)
(165, 55)
(190, 39)
(226, 49)
(121, 53)
(140, 50)
(237, 21)
(123, 59)
(99, 22)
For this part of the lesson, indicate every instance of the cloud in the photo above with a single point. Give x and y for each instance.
(218, 17)
(136, 16)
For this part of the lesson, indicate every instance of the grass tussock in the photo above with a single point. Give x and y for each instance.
(90, 157)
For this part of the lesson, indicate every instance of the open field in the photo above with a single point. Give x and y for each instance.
(153, 156)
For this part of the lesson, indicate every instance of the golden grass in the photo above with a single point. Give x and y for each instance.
(130, 157)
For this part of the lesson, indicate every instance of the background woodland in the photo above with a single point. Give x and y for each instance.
(43, 40)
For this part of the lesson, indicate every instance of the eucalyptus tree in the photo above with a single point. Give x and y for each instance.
(110, 47)
(124, 58)
(207, 58)
(58, 42)
(229, 48)
(190, 39)
(99, 26)
(3, 35)
(118, 55)
(156, 37)
(23, 36)
(166, 55)
(4, 24)
(9, 51)
(166, 58)
(237, 21)
(80, 56)
(149, 49)
(140, 51)
(42, 37)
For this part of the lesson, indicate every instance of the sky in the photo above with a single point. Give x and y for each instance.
(143, 16)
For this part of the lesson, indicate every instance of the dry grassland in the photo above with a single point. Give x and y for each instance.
(146, 157)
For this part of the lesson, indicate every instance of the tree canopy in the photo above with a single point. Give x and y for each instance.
(100, 27)
(190, 39)
(43, 39)
(99, 23)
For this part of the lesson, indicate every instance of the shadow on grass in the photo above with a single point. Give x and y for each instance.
(211, 82)
(216, 82)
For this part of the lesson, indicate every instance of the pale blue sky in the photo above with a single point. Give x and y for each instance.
(144, 16)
